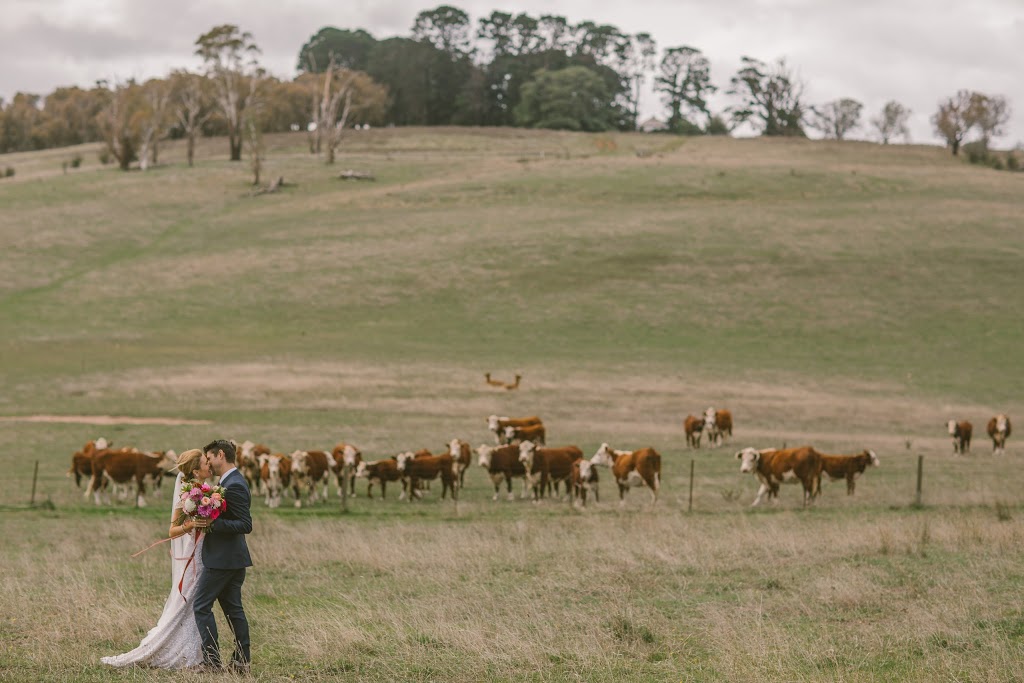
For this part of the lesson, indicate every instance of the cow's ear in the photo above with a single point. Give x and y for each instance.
(739, 454)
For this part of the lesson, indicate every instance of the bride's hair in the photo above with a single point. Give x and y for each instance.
(188, 461)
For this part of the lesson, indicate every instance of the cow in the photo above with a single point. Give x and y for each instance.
(309, 470)
(379, 471)
(346, 456)
(544, 466)
(847, 467)
(534, 433)
(502, 464)
(81, 461)
(960, 432)
(774, 467)
(694, 427)
(717, 423)
(462, 454)
(632, 468)
(275, 470)
(416, 468)
(497, 425)
(249, 463)
(122, 465)
(583, 479)
(999, 432)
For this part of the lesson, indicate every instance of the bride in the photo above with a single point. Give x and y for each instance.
(174, 642)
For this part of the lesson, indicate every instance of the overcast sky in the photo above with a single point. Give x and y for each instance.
(914, 51)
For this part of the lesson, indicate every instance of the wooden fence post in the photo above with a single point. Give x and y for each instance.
(345, 470)
(920, 476)
(35, 476)
(690, 506)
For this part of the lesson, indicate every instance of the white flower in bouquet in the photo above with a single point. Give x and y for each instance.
(189, 506)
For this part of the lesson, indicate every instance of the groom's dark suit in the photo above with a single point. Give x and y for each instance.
(225, 557)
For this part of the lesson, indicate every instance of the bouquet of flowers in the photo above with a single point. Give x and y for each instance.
(200, 500)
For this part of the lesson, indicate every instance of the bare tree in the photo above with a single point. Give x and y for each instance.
(230, 57)
(989, 113)
(892, 122)
(156, 94)
(253, 135)
(837, 118)
(954, 119)
(343, 95)
(119, 123)
(191, 108)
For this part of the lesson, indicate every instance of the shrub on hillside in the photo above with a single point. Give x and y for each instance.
(76, 161)
(1012, 162)
(8, 172)
(104, 156)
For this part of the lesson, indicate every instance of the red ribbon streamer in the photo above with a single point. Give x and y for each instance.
(191, 557)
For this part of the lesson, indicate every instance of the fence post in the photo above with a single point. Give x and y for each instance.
(345, 470)
(920, 475)
(690, 506)
(35, 475)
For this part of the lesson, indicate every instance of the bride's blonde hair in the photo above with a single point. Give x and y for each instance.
(188, 461)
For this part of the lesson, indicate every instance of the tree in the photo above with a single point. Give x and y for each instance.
(684, 80)
(156, 95)
(253, 135)
(446, 28)
(575, 98)
(191, 107)
(344, 96)
(348, 49)
(120, 122)
(892, 122)
(634, 57)
(836, 119)
(989, 113)
(770, 97)
(954, 119)
(230, 58)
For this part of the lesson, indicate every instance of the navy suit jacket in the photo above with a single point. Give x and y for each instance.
(224, 547)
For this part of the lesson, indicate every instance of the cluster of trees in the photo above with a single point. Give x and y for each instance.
(504, 70)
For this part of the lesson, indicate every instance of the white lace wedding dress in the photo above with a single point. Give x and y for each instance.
(174, 642)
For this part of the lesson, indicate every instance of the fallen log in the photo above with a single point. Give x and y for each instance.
(356, 175)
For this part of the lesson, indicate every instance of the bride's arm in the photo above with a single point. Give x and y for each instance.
(179, 524)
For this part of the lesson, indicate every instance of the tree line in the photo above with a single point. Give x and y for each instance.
(504, 70)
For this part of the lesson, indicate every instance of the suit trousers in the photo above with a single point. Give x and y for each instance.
(223, 586)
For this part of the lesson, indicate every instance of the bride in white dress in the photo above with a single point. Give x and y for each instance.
(174, 642)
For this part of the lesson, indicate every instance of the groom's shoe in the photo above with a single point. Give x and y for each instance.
(240, 668)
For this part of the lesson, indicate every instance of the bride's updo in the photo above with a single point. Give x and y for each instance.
(188, 461)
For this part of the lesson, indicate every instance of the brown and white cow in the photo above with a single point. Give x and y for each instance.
(847, 467)
(276, 471)
(999, 431)
(960, 432)
(122, 466)
(774, 467)
(583, 480)
(462, 454)
(498, 424)
(694, 427)
(346, 459)
(249, 463)
(379, 472)
(535, 433)
(311, 469)
(81, 461)
(502, 464)
(415, 468)
(547, 466)
(717, 423)
(631, 468)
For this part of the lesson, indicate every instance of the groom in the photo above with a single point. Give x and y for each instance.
(225, 557)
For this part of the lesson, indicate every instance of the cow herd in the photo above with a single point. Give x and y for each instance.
(520, 451)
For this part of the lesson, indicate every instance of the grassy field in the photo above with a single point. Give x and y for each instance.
(845, 295)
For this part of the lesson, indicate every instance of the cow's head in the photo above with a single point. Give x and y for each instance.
(527, 449)
(349, 455)
(585, 469)
(1001, 422)
(872, 457)
(605, 456)
(748, 459)
(709, 414)
(484, 452)
(101, 444)
(492, 423)
(272, 466)
(455, 448)
(510, 433)
(403, 459)
(300, 466)
(951, 426)
(361, 469)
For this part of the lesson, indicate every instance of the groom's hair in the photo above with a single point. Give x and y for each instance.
(222, 445)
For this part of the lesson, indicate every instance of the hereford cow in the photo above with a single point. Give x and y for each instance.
(416, 468)
(717, 423)
(534, 433)
(123, 465)
(498, 424)
(999, 431)
(276, 471)
(310, 469)
(502, 464)
(380, 472)
(547, 466)
(249, 463)
(81, 461)
(847, 467)
(584, 478)
(774, 467)
(960, 432)
(694, 427)
(462, 454)
(631, 468)
(346, 456)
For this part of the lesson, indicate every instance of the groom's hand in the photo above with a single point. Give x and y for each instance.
(200, 523)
